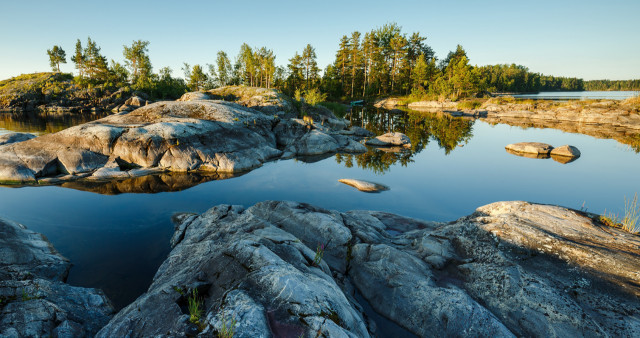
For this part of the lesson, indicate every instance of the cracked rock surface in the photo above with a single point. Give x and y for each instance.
(291, 269)
(34, 300)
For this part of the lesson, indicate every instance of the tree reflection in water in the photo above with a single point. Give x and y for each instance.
(421, 127)
(40, 123)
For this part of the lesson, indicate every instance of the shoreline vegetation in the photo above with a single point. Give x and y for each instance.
(384, 62)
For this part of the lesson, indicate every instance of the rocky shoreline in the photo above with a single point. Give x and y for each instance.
(195, 133)
(35, 301)
(290, 269)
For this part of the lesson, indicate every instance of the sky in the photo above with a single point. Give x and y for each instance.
(585, 39)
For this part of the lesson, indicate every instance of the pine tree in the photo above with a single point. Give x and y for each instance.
(341, 58)
(296, 73)
(246, 63)
(197, 78)
(310, 64)
(355, 57)
(398, 45)
(56, 56)
(95, 65)
(137, 60)
(368, 48)
(79, 58)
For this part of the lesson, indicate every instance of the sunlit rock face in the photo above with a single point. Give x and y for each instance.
(535, 148)
(292, 269)
(185, 136)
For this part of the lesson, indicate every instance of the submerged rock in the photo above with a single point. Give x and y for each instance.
(34, 300)
(390, 139)
(530, 147)
(291, 269)
(364, 185)
(14, 138)
(185, 136)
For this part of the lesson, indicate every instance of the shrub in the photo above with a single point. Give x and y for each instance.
(473, 104)
(314, 96)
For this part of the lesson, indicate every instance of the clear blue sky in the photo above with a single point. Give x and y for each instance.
(587, 39)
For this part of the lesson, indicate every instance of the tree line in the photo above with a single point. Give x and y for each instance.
(382, 62)
(613, 85)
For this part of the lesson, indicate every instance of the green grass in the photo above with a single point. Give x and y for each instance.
(195, 307)
(631, 214)
(338, 109)
(470, 104)
(630, 221)
(227, 331)
(319, 253)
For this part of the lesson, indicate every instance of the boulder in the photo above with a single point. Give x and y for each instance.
(565, 151)
(34, 300)
(530, 147)
(135, 101)
(14, 137)
(292, 269)
(365, 186)
(390, 139)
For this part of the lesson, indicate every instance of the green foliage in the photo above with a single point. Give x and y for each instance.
(137, 60)
(195, 304)
(631, 214)
(470, 104)
(30, 88)
(56, 56)
(612, 85)
(298, 95)
(314, 96)
(338, 109)
(629, 222)
(319, 254)
(224, 69)
(227, 330)
(197, 79)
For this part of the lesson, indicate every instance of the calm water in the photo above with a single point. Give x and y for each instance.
(117, 241)
(43, 123)
(584, 95)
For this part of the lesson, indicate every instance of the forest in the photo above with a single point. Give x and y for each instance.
(382, 62)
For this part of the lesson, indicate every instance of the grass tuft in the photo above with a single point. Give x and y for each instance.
(195, 307)
(631, 214)
(227, 331)
(629, 222)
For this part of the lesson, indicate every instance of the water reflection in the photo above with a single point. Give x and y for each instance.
(150, 184)
(40, 123)
(421, 128)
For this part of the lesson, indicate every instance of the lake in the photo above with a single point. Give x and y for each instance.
(117, 234)
(583, 95)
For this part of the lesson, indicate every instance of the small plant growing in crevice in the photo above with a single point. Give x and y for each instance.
(227, 331)
(319, 254)
(195, 307)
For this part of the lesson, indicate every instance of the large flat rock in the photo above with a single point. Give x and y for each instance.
(292, 269)
(185, 136)
(530, 148)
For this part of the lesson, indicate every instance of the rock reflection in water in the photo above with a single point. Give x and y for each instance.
(421, 128)
(150, 184)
